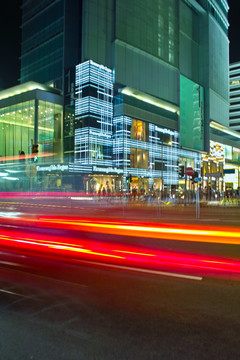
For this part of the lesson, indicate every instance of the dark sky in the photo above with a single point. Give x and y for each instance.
(10, 39)
(234, 30)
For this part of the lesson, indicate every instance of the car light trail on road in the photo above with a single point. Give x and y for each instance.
(219, 235)
(117, 254)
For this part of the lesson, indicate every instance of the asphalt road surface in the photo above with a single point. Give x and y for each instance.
(51, 308)
(55, 310)
(110, 208)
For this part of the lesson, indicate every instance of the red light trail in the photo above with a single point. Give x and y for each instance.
(120, 255)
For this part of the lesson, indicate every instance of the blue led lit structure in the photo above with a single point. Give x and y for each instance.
(94, 113)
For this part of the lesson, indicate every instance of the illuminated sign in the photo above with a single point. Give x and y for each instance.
(164, 131)
(53, 167)
(99, 134)
(107, 170)
(216, 150)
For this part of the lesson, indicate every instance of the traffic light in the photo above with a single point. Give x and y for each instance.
(129, 178)
(194, 175)
(35, 152)
(181, 170)
(34, 148)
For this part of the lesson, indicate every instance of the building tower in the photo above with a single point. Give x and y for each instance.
(168, 61)
(234, 96)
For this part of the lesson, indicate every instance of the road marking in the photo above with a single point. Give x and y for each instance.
(153, 272)
(9, 263)
(14, 293)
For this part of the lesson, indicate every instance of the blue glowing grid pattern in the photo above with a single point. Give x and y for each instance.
(163, 150)
(94, 110)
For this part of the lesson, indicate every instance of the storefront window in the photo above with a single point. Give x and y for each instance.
(228, 152)
(139, 130)
(139, 158)
(96, 151)
(49, 127)
(17, 128)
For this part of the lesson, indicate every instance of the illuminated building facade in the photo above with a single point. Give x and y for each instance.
(220, 167)
(120, 146)
(150, 78)
(234, 96)
(169, 83)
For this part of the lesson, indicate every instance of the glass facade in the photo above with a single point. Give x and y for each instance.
(18, 128)
(191, 114)
(42, 41)
(151, 26)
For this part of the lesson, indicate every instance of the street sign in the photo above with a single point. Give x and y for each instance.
(229, 171)
(189, 171)
(196, 179)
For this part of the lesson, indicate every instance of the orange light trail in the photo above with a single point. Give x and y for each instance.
(27, 156)
(218, 235)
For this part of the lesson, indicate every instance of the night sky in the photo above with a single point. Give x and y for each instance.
(10, 38)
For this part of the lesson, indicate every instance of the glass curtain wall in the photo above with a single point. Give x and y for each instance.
(49, 129)
(17, 128)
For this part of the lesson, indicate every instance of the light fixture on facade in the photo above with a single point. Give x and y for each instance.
(150, 99)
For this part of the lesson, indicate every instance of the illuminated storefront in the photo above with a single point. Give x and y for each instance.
(221, 167)
(30, 114)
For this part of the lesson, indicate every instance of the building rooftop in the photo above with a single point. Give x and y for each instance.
(28, 86)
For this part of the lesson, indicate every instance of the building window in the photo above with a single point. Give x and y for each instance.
(139, 130)
(139, 158)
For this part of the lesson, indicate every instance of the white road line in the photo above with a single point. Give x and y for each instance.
(9, 263)
(153, 272)
(14, 293)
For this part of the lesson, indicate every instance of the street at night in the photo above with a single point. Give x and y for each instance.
(62, 306)
(61, 311)
(119, 180)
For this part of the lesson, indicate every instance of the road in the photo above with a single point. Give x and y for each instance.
(62, 311)
(111, 208)
(69, 307)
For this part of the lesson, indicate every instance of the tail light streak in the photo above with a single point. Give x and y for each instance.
(117, 254)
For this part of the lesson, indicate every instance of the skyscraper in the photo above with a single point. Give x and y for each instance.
(50, 40)
(168, 61)
(234, 96)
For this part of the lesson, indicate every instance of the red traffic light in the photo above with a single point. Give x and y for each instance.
(34, 148)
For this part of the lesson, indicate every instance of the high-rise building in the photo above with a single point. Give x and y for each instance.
(51, 37)
(150, 80)
(234, 96)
